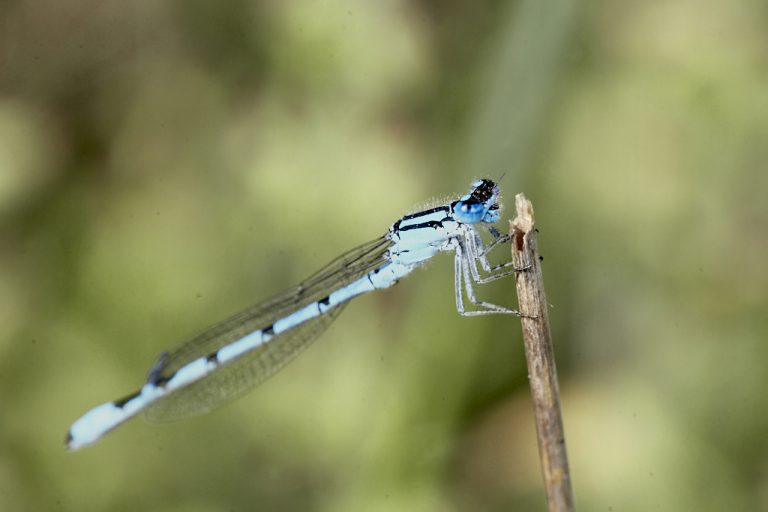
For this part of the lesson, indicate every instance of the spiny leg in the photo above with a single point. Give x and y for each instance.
(474, 255)
(498, 239)
(457, 282)
(462, 273)
(490, 307)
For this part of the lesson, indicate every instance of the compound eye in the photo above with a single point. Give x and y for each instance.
(470, 208)
(469, 212)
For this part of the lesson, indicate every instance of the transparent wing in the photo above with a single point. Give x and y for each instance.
(238, 376)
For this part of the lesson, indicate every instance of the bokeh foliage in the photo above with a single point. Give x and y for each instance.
(164, 164)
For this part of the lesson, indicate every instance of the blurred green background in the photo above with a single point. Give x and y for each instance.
(164, 164)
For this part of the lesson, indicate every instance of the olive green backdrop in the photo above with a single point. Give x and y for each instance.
(166, 163)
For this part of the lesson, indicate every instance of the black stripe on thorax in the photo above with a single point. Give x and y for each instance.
(425, 212)
(428, 224)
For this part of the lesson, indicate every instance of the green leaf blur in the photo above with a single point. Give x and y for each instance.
(165, 164)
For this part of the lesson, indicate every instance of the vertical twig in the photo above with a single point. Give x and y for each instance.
(542, 373)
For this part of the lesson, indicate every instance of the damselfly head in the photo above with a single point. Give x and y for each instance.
(480, 205)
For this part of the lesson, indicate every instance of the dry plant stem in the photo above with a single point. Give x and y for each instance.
(542, 373)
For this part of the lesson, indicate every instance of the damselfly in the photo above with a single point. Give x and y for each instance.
(229, 358)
